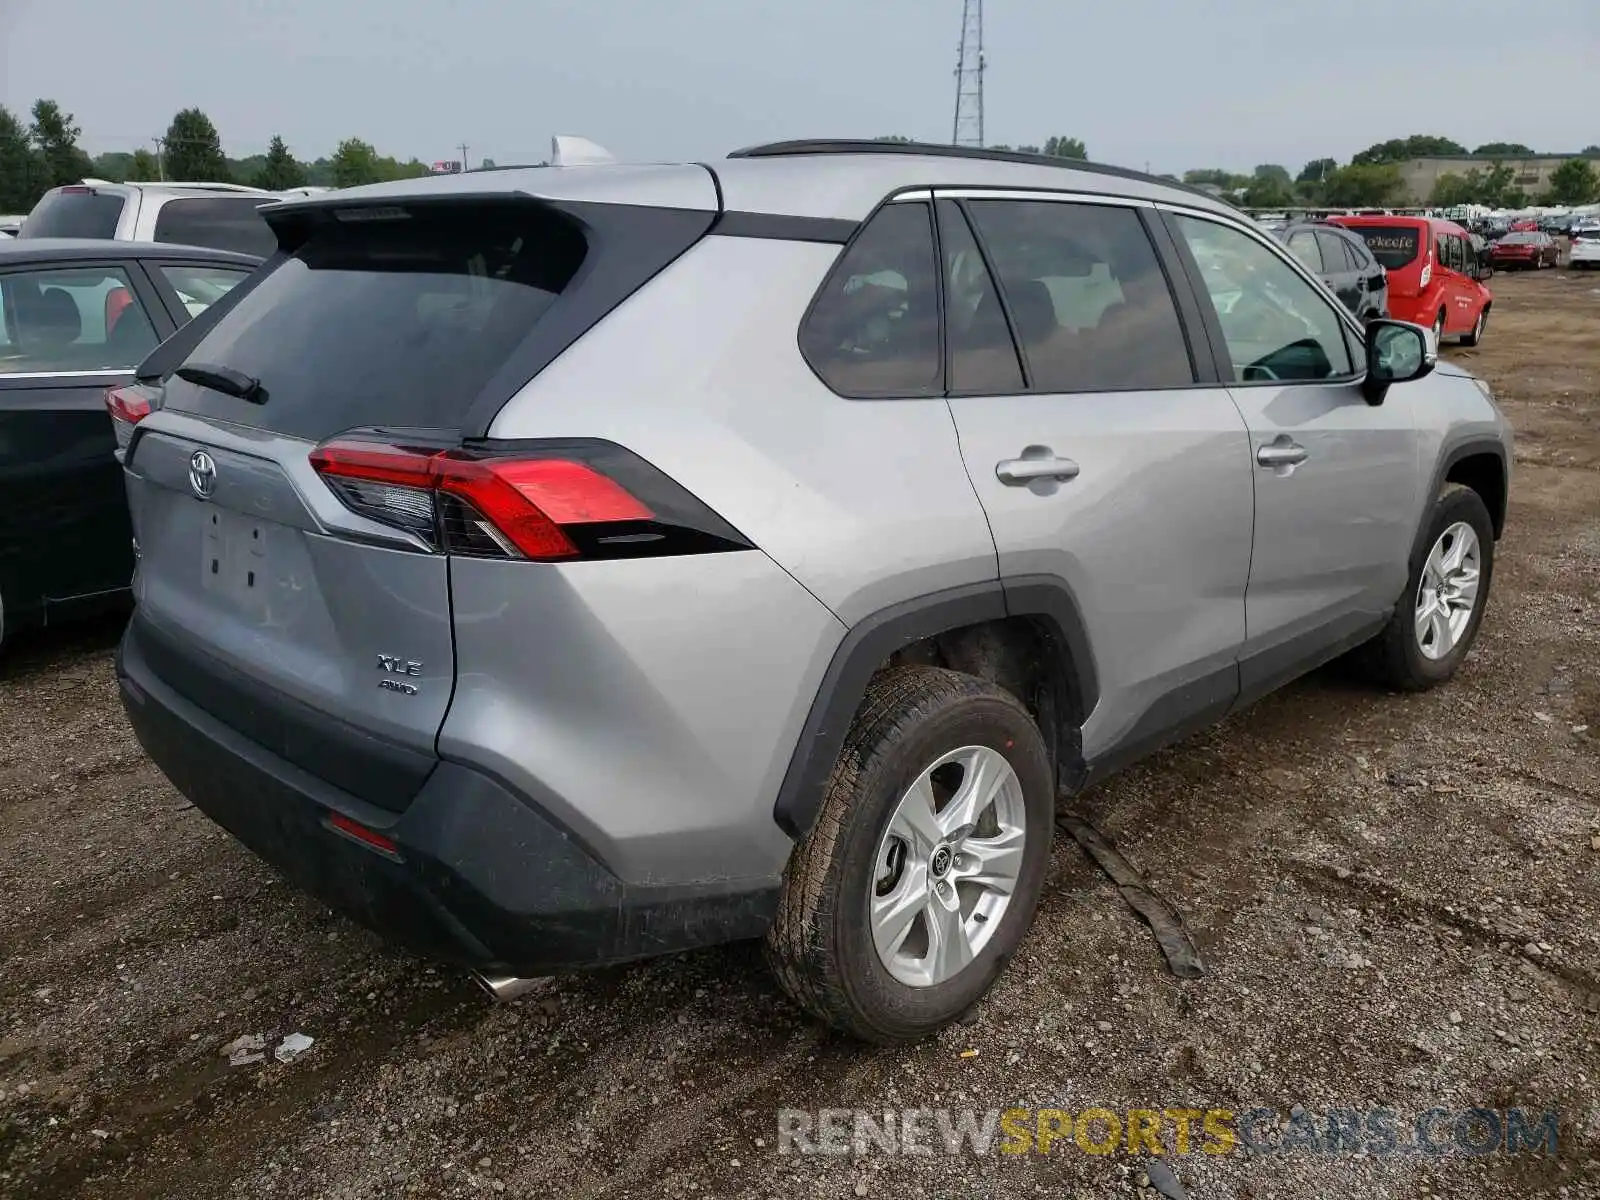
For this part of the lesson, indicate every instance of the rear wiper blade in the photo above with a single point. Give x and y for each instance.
(223, 379)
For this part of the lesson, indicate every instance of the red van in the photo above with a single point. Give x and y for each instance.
(1434, 276)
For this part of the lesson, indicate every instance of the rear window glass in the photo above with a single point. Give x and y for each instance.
(1587, 235)
(217, 223)
(1392, 245)
(396, 322)
(200, 286)
(74, 215)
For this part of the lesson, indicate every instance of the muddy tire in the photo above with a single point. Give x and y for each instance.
(1434, 625)
(1475, 336)
(926, 748)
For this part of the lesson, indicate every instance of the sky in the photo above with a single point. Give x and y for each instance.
(1160, 84)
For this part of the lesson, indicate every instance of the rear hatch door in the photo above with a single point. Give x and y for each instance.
(264, 597)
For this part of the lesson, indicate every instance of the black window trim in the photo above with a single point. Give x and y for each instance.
(161, 323)
(1191, 314)
(1169, 214)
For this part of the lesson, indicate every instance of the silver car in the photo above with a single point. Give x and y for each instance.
(561, 566)
(219, 216)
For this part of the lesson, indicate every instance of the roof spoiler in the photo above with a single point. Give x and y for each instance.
(568, 151)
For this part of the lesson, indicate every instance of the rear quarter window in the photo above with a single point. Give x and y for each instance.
(217, 223)
(77, 214)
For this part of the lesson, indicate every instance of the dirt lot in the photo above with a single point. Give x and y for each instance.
(1398, 899)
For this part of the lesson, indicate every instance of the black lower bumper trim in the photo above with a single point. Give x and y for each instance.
(481, 878)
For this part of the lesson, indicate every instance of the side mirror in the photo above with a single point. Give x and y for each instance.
(1397, 352)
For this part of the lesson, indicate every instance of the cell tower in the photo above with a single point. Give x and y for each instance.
(969, 77)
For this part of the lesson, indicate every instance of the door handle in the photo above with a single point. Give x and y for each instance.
(1281, 454)
(1016, 472)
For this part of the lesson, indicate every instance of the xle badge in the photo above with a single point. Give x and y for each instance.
(392, 666)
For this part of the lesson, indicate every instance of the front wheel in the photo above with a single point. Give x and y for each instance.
(1438, 328)
(1436, 621)
(904, 902)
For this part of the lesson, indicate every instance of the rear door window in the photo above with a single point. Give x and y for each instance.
(74, 320)
(1334, 254)
(397, 322)
(218, 223)
(1392, 245)
(874, 328)
(200, 286)
(1087, 295)
(74, 212)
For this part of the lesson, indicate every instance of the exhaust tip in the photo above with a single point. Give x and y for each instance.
(504, 988)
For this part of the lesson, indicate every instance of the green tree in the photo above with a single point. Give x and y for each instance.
(1451, 189)
(1497, 188)
(1589, 152)
(1273, 172)
(1573, 182)
(55, 136)
(354, 163)
(1418, 145)
(893, 137)
(486, 165)
(112, 165)
(1213, 175)
(193, 150)
(1317, 170)
(280, 169)
(1502, 150)
(22, 174)
(1065, 147)
(1365, 185)
(144, 167)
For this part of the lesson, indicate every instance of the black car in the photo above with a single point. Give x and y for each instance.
(76, 317)
(1345, 264)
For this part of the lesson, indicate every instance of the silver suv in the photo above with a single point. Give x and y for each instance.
(563, 566)
(219, 216)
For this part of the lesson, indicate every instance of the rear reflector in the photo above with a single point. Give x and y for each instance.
(361, 833)
(485, 505)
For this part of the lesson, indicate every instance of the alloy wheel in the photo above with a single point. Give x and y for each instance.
(947, 865)
(1448, 591)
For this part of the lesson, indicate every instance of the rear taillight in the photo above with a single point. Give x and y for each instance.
(549, 504)
(130, 404)
(1427, 274)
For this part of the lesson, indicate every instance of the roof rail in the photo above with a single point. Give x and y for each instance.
(940, 150)
(204, 186)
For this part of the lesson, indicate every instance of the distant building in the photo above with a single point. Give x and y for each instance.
(1531, 174)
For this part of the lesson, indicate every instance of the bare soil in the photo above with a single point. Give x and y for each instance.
(1398, 898)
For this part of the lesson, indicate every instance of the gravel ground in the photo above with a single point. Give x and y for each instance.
(1398, 898)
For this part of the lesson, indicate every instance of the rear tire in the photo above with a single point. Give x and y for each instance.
(1476, 336)
(842, 883)
(1424, 644)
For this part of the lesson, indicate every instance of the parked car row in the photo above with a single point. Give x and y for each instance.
(220, 216)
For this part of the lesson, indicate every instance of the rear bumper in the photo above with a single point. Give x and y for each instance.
(481, 877)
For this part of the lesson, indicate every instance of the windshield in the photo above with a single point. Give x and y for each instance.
(1392, 245)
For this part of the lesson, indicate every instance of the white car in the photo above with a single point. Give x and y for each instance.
(1585, 251)
(221, 216)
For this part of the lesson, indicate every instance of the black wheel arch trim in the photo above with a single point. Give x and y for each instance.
(1455, 452)
(870, 642)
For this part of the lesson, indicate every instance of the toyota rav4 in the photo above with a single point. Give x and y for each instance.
(559, 566)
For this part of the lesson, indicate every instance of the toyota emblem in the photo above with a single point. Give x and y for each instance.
(202, 474)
